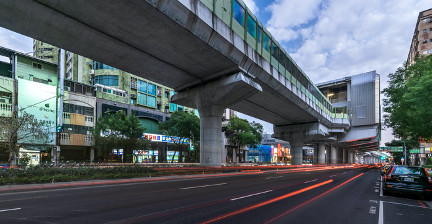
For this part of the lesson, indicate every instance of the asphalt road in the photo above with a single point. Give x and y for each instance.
(306, 195)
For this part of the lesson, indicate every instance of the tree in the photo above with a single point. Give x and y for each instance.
(409, 100)
(182, 126)
(119, 131)
(241, 133)
(23, 130)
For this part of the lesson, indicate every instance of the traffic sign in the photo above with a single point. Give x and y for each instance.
(414, 150)
(393, 148)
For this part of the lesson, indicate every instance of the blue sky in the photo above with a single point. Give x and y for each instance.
(329, 39)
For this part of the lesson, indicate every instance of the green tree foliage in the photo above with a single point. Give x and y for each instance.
(184, 126)
(240, 133)
(119, 131)
(23, 130)
(409, 100)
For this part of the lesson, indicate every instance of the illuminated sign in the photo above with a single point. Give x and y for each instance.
(39, 100)
(165, 138)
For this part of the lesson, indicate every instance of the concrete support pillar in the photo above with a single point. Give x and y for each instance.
(296, 142)
(344, 156)
(315, 153)
(328, 152)
(321, 153)
(340, 155)
(350, 157)
(333, 154)
(211, 99)
(353, 157)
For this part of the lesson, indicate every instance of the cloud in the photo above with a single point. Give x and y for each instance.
(252, 6)
(14, 41)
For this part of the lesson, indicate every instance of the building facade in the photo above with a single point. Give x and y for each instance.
(29, 85)
(92, 89)
(421, 43)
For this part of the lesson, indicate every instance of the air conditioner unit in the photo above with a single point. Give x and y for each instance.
(92, 71)
(133, 95)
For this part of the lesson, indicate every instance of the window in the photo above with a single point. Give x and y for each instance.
(430, 29)
(173, 107)
(238, 12)
(142, 86)
(425, 52)
(266, 42)
(106, 80)
(425, 20)
(259, 35)
(151, 89)
(151, 101)
(167, 95)
(36, 65)
(424, 41)
(98, 65)
(142, 99)
(275, 51)
(424, 31)
(133, 83)
(361, 111)
(430, 51)
(251, 26)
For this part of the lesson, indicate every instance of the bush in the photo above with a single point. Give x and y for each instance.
(47, 175)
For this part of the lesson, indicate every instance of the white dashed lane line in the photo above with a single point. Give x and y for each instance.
(10, 209)
(250, 195)
(310, 181)
(210, 185)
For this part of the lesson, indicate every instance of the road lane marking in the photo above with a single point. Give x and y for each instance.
(372, 210)
(381, 213)
(313, 199)
(273, 177)
(258, 205)
(373, 201)
(333, 175)
(396, 203)
(246, 196)
(11, 209)
(310, 181)
(381, 192)
(209, 185)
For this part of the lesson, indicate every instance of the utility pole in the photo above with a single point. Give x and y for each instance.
(61, 72)
(405, 161)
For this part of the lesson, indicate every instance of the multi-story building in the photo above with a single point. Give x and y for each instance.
(421, 43)
(92, 89)
(29, 85)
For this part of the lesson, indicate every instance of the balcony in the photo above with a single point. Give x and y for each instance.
(78, 119)
(5, 110)
(76, 139)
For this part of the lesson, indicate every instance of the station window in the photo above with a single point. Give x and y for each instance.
(259, 35)
(275, 51)
(266, 42)
(238, 12)
(251, 26)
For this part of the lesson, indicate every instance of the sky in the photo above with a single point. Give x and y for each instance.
(328, 39)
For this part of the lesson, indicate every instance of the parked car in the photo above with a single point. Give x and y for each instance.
(385, 169)
(403, 179)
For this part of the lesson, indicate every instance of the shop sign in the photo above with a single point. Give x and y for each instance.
(114, 151)
(165, 138)
(428, 150)
(120, 151)
(38, 100)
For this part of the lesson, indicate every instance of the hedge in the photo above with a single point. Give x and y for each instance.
(48, 175)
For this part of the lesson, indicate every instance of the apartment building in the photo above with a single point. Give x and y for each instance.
(421, 43)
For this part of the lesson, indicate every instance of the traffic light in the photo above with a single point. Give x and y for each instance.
(59, 129)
